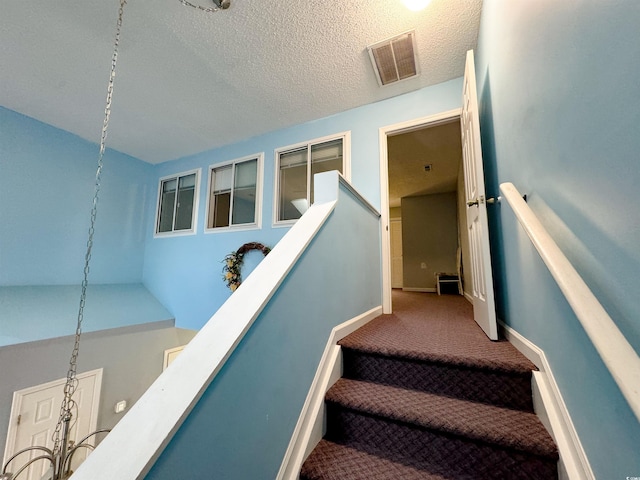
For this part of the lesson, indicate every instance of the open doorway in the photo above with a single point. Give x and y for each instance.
(422, 203)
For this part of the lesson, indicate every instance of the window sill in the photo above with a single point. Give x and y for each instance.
(178, 233)
(284, 224)
(235, 228)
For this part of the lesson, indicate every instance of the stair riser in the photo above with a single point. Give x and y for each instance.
(418, 448)
(505, 389)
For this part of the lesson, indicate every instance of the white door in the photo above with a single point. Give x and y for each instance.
(484, 310)
(396, 253)
(34, 415)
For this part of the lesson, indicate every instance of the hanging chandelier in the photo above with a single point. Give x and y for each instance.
(61, 455)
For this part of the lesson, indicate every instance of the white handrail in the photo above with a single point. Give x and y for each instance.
(616, 352)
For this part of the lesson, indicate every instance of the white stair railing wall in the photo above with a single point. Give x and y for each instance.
(229, 403)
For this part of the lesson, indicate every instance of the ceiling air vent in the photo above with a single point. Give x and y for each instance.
(394, 59)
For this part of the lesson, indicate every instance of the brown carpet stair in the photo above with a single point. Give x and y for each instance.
(431, 409)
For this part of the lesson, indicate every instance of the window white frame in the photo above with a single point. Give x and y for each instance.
(346, 168)
(194, 212)
(258, 206)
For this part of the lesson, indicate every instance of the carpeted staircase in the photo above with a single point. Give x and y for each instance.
(425, 395)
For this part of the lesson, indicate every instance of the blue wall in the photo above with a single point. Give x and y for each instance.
(31, 313)
(48, 179)
(185, 272)
(560, 108)
(47, 186)
(241, 426)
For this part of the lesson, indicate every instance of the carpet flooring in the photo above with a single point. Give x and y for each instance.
(426, 395)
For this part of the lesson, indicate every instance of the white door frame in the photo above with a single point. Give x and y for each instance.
(18, 396)
(391, 222)
(384, 132)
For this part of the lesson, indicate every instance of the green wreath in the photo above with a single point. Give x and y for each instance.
(231, 273)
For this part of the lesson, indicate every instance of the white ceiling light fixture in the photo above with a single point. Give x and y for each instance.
(416, 5)
(394, 59)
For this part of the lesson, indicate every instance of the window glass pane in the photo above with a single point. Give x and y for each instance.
(293, 158)
(221, 178)
(167, 202)
(220, 213)
(188, 181)
(244, 193)
(246, 174)
(169, 186)
(326, 157)
(220, 197)
(293, 185)
(184, 209)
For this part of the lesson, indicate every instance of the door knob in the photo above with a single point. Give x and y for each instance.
(472, 203)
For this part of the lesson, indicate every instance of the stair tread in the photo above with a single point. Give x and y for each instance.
(452, 359)
(332, 461)
(437, 341)
(478, 385)
(491, 424)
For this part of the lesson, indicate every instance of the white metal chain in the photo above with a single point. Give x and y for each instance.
(71, 383)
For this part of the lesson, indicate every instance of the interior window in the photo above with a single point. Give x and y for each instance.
(233, 196)
(296, 167)
(176, 205)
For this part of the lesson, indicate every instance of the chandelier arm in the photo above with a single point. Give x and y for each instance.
(28, 464)
(66, 469)
(24, 450)
(67, 461)
(104, 430)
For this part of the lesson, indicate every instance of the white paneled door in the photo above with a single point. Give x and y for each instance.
(484, 310)
(34, 415)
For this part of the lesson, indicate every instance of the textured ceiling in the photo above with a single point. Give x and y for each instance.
(408, 153)
(188, 81)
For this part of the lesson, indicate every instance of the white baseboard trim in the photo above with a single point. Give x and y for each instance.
(419, 289)
(311, 423)
(552, 411)
(527, 348)
(468, 297)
